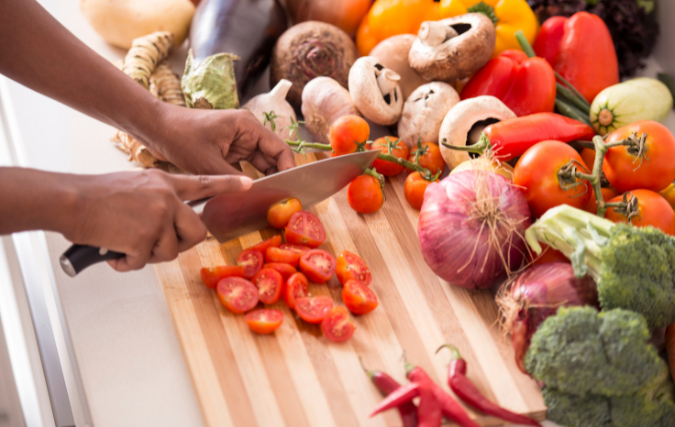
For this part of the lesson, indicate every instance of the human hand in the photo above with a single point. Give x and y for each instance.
(142, 214)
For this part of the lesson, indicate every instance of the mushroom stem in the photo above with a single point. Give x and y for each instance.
(387, 81)
(433, 33)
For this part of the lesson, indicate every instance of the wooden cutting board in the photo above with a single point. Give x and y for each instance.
(295, 377)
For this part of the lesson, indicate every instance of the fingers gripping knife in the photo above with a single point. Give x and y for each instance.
(231, 215)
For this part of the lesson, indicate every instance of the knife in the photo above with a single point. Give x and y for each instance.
(231, 215)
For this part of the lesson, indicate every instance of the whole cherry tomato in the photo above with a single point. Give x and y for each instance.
(305, 228)
(211, 276)
(264, 320)
(301, 249)
(270, 285)
(536, 173)
(297, 287)
(359, 298)
(547, 255)
(286, 270)
(237, 295)
(432, 160)
(252, 261)
(313, 309)
(365, 194)
(347, 133)
(653, 169)
(588, 156)
(592, 205)
(652, 209)
(337, 326)
(351, 267)
(317, 265)
(414, 189)
(274, 242)
(280, 213)
(282, 255)
(398, 149)
(669, 194)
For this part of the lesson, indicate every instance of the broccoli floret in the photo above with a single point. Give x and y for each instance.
(577, 411)
(634, 268)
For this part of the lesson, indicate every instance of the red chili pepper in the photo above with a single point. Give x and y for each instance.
(429, 411)
(511, 138)
(468, 392)
(401, 395)
(584, 55)
(525, 85)
(387, 385)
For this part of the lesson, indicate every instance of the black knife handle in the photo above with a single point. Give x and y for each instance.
(79, 257)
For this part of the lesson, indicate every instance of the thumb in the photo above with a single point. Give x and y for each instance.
(201, 186)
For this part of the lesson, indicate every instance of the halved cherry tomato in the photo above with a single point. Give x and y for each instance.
(282, 255)
(252, 261)
(301, 249)
(536, 173)
(264, 320)
(337, 326)
(274, 242)
(211, 276)
(359, 298)
(592, 205)
(280, 213)
(351, 267)
(313, 309)
(414, 189)
(286, 270)
(237, 295)
(305, 228)
(364, 194)
(399, 149)
(270, 285)
(297, 287)
(432, 160)
(318, 265)
(653, 210)
(346, 133)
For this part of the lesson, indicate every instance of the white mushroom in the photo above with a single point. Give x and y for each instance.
(453, 48)
(393, 54)
(423, 112)
(273, 110)
(467, 117)
(375, 91)
(324, 100)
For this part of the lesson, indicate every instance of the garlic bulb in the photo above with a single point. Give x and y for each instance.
(324, 100)
(273, 110)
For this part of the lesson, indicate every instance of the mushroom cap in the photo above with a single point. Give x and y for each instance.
(367, 80)
(424, 111)
(393, 54)
(457, 57)
(461, 118)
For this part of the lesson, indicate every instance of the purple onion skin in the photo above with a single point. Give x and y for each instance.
(455, 244)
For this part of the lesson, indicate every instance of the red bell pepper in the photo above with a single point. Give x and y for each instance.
(581, 50)
(525, 85)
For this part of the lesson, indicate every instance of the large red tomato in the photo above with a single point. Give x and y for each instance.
(652, 209)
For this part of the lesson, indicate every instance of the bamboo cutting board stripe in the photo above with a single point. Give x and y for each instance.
(295, 377)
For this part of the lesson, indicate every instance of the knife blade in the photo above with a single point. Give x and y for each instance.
(231, 215)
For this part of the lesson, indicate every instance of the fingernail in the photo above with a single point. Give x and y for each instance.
(246, 182)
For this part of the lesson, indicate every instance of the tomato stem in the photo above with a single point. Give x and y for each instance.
(479, 148)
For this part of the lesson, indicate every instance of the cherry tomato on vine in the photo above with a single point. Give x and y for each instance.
(652, 208)
(270, 285)
(432, 160)
(592, 205)
(669, 194)
(317, 265)
(211, 276)
(399, 150)
(414, 189)
(536, 173)
(280, 213)
(286, 270)
(313, 309)
(337, 326)
(252, 261)
(351, 267)
(365, 194)
(305, 228)
(274, 242)
(346, 133)
(264, 320)
(653, 169)
(588, 156)
(282, 255)
(359, 298)
(297, 287)
(237, 295)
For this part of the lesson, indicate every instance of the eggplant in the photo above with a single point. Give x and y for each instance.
(246, 28)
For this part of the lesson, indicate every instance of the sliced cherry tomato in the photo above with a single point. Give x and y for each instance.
(359, 298)
(282, 255)
(536, 173)
(286, 270)
(297, 287)
(653, 210)
(398, 149)
(280, 213)
(264, 320)
(338, 325)
(318, 265)
(414, 189)
(592, 205)
(548, 254)
(432, 160)
(365, 195)
(654, 170)
(252, 261)
(351, 267)
(346, 133)
(270, 285)
(306, 229)
(301, 249)
(274, 242)
(211, 276)
(313, 309)
(237, 295)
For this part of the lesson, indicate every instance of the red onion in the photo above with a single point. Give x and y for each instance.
(536, 294)
(471, 228)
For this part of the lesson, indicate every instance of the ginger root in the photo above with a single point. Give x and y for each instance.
(145, 54)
